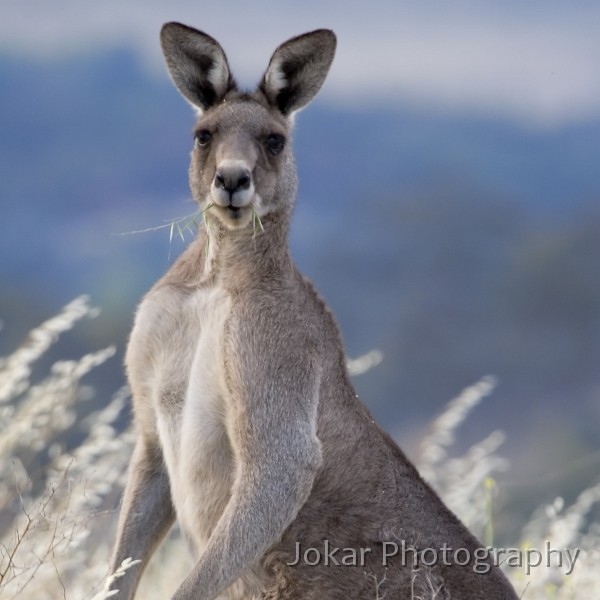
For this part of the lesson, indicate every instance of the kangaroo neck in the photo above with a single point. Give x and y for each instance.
(248, 256)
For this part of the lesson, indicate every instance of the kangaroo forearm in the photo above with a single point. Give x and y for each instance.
(146, 516)
(145, 522)
(254, 520)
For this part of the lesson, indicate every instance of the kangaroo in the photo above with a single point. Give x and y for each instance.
(249, 431)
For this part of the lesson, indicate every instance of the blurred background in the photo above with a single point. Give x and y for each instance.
(449, 203)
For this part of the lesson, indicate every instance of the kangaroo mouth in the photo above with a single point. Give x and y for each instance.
(234, 217)
(230, 209)
(235, 213)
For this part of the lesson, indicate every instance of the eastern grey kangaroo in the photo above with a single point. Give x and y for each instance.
(248, 429)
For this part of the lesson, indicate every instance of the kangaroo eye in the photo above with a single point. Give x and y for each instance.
(203, 137)
(275, 143)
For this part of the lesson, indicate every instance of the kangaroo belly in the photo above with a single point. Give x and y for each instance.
(190, 409)
(203, 476)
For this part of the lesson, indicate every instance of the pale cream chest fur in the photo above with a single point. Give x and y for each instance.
(175, 359)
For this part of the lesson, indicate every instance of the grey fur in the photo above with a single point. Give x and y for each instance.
(249, 429)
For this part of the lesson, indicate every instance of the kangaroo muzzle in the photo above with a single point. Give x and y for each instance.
(232, 186)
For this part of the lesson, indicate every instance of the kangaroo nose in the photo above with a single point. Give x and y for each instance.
(232, 180)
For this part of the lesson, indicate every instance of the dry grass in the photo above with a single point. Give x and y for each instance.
(57, 508)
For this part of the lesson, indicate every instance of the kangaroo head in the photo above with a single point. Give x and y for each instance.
(242, 160)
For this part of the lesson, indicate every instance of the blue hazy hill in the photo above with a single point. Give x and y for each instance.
(458, 245)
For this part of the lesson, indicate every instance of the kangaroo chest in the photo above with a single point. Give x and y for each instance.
(191, 408)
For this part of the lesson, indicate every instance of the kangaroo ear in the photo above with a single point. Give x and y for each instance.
(298, 69)
(197, 64)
